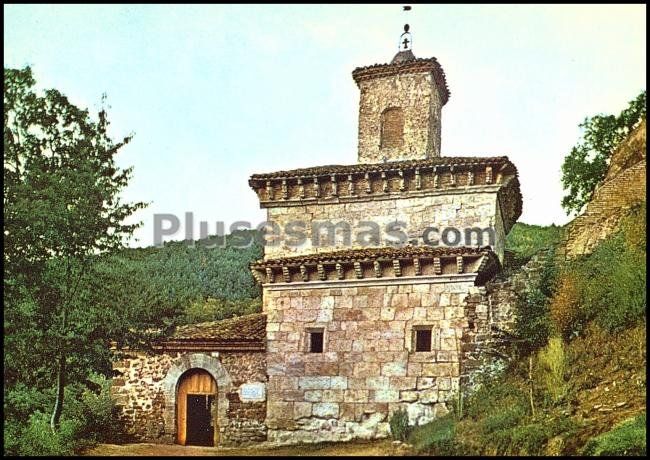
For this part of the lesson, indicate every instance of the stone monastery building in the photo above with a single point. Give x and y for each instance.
(349, 333)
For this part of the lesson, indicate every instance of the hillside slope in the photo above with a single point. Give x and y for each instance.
(579, 385)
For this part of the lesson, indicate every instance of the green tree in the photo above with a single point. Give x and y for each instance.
(586, 165)
(61, 211)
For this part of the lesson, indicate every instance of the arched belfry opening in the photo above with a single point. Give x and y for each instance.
(196, 408)
(392, 128)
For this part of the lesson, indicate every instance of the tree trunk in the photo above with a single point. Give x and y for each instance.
(530, 382)
(60, 371)
(60, 387)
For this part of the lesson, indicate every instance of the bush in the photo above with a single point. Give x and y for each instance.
(399, 425)
(629, 438)
(552, 361)
(94, 409)
(533, 324)
(88, 417)
(37, 439)
(615, 285)
(607, 286)
(21, 401)
(565, 310)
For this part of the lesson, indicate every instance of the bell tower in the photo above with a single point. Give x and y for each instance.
(400, 106)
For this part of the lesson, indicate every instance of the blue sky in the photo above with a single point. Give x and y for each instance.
(215, 93)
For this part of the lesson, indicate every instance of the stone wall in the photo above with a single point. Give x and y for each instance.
(145, 384)
(491, 314)
(623, 187)
(368, 368)
(417, 95)
(461, 210)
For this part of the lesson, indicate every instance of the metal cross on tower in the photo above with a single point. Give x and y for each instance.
(406, 39)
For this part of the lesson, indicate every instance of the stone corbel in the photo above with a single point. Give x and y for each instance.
(357, 270)
(339, 271)
(269, 191)
(316, 187)
(301, 188)
(285, 274)
(377, 267)
(335, 188)
(285, 190)
(397, 268)
(269, 275)
(416, 266)
(437, 269)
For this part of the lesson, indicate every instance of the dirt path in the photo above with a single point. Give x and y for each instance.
(356, 448)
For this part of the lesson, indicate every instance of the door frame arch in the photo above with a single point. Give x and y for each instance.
(210, 364)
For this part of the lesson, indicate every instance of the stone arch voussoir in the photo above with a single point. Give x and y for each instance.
(184, 363)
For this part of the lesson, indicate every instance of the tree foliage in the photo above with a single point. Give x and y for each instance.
(586, 165)
(70, 286)
(61, 212)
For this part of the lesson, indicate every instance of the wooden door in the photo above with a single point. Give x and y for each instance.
(199, 430)
(195, 383)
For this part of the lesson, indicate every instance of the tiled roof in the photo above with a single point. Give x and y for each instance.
(372, 264)
(403, 56)
(238, 329)
(375, 253)
(407, 66)
(390, 165)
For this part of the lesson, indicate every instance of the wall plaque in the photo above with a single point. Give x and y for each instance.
(250, 392)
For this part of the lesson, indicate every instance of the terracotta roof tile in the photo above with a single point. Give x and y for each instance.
(238, 329)
(374, 253)
(390, 165)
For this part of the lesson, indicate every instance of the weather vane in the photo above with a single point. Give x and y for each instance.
(405, 40)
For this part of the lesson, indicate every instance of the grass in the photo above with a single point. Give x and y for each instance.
(436, 437)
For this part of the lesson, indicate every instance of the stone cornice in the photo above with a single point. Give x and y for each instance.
(411, 66)
(378, 263)
(372, 282)
(399, 179)
(391, 166)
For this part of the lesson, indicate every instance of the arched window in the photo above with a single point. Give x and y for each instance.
(392, 128)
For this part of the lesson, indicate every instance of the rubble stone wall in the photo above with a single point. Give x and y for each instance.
(145, 392)
(417, 95)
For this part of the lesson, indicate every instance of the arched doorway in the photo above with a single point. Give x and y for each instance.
(196, 409)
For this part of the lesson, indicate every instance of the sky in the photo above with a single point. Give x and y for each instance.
(215, 93)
